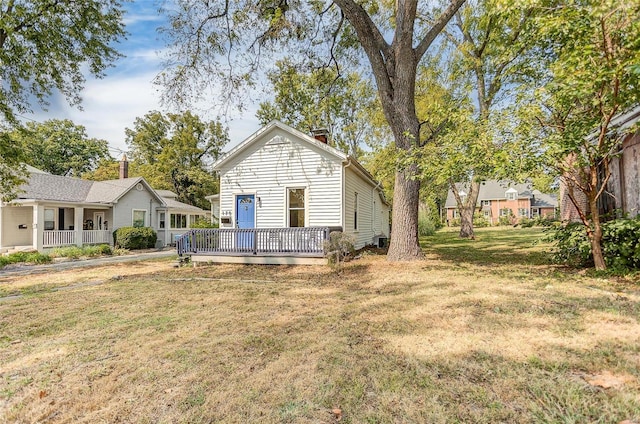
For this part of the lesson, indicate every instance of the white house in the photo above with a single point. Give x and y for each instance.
(53, 211)
(280, 177)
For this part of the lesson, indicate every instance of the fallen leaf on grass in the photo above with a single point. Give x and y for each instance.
(337, 413)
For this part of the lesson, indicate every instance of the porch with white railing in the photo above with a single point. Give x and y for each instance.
(96, 237)
(59, 238)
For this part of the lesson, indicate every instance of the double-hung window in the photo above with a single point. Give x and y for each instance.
(296, 207)
(139, 218)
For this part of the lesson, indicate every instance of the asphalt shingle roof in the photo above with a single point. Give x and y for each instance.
(496, 190)
(44, 186)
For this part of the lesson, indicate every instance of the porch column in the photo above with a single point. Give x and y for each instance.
(78, 218)
(38, 227)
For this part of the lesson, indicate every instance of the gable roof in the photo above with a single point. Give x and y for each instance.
(44, 186)
(346, 159)
(497, 189)
(271, 125)
(110, 191)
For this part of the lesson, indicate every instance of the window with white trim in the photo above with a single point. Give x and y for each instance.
(296, 207)
(178, 221)
(161, 220)
(485, 202)
(505, 212)
(49, 219)
(139, 218)
(522, 212)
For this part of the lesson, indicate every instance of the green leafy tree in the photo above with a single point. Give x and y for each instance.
(491, 46)
(107, 169)
(229, 42)
(321, 98)
(45, 46)
(60, 147)
(592, 50)
(175, 151)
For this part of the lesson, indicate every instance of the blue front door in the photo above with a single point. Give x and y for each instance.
(245, 218)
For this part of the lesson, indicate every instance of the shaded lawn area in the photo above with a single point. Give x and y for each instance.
(481, 332)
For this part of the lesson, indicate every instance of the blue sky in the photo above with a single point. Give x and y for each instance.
(113, 103)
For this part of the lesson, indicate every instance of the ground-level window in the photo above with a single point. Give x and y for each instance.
(161, 220)
(139, 218)
(296, 207)
(355, 211)
(505, 212)
(49, 219)
(535, 212)
(454, 213)
(487, 214)
(178, 220)
(522, 212)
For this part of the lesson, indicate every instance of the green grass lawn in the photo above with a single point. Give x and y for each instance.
(480, 331)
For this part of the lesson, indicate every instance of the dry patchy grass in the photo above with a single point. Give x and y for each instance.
(482, 331)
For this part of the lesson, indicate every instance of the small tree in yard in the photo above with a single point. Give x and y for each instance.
(594, 51)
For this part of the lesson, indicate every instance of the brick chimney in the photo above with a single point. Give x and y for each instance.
(321, 134)
(124, 167)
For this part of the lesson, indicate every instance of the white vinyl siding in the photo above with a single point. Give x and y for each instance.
(356, 184)
(274, 163)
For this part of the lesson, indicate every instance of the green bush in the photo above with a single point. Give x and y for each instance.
(527, 222)
(134, 238)
(571, 245)
(203, 223)
(480, 221)
(425, 226)
(505, 220)
(75, 252)
(24, 257)
(620, 244)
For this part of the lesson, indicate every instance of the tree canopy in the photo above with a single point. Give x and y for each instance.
(592, 50)
(229, 42)
(47, 46)
(60, 147)
(175, 151)
(321, 98)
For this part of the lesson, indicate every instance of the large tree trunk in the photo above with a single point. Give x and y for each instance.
(404, 244)
(467, 211)
(466, 224)
(394, 67)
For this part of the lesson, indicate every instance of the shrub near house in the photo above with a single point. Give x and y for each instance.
(134, 238)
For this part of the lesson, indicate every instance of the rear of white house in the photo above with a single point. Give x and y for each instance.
(282, 178)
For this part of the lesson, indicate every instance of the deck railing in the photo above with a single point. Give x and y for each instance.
(58, 238)
(302, 241)
(96, 237)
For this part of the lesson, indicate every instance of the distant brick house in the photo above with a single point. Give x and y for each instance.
(506, 199)
(623, 189)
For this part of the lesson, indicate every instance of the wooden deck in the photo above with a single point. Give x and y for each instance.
(286, 246)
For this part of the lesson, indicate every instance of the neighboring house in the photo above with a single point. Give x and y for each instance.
(623, 189)
(281, 178)
(506, 199)
(53, 211)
